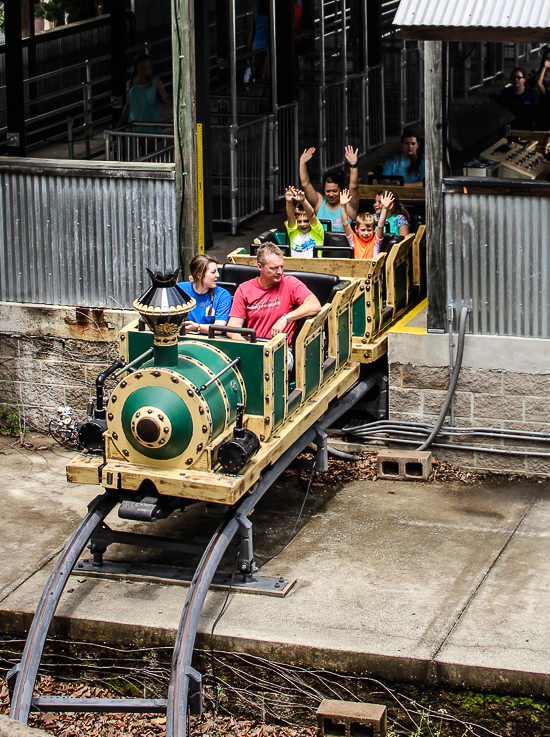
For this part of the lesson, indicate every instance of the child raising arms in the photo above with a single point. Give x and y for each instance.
(304, 230)
(365, 241)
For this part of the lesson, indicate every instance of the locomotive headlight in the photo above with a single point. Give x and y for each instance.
(151, 427)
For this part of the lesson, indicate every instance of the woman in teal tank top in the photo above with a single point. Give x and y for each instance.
(144, 96)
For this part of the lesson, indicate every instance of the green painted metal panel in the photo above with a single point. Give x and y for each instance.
(173, 407)
(313, 366)
(250, 367)
(198, 376)
(203, 352)
(279, 380)
(376, 304)
(138, 343)
(343, 338)
(359, 317)
(400, 287)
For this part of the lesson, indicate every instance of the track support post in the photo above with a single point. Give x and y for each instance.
(245, 550)
(321, 456)
(194, 694)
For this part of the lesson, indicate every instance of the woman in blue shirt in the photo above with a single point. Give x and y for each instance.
(213, 302)
(408, 164)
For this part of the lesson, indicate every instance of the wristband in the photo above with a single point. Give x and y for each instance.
(287, 318)
(353, 166)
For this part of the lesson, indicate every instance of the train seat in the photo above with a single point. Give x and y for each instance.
(323, 286)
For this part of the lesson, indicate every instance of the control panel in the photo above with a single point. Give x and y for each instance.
(519, 160)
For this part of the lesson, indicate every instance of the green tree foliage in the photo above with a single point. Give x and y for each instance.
(60, 12)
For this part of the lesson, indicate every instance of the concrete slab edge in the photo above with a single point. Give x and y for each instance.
(372, 665)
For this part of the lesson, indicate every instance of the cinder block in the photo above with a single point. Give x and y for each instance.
(405, 400)
(351, 719)
(410, 465)
(480, 381)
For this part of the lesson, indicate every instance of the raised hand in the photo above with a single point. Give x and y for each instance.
(387, 200)
(345, 197)
(351, 155)
(306, 156)
(298, 195)
(289, 194)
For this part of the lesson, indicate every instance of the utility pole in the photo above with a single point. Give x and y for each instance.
(185, 130)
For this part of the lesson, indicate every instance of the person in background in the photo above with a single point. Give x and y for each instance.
(541, 77)
(397, 217)
(304, 230)
(144, 96)
(327, 205)
(366, 243)
(272, 302)
(213, 302)
(517, 92)
(258, 40)
(408, 163)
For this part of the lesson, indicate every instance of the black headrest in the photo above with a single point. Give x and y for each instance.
(322, 285)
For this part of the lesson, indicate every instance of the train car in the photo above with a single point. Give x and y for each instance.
(200, 417)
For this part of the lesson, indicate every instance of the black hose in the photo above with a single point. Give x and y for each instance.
(454, 379)
(100, 411)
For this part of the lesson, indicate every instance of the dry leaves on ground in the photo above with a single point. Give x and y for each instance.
(144, 725)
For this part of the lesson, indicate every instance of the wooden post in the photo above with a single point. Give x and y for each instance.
(185, 130)
(433, 85)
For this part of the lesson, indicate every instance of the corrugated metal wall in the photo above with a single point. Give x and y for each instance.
(84, 236)
(497, 261)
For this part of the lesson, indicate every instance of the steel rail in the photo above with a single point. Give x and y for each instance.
(26, 670)
(23, 675)
(178, 689)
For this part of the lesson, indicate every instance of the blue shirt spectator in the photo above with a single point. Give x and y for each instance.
(213, 302)
(408, 163)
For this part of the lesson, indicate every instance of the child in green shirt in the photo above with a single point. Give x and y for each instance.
(304, 230)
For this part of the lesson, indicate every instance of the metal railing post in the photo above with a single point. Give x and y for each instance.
(296, 147)
(70, 138)
(272, 157)
(322, 93)
(365, 112)
(107, 137)
(233, 184)
(88, 106)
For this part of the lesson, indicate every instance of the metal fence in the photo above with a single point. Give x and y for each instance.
(350, 111)
(283, 151)
(404, 85)
(140, 142)
(498, 260)
(477, 64)
(239, 158)
(82, 234)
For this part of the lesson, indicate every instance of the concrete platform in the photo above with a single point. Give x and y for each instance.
(440, 583)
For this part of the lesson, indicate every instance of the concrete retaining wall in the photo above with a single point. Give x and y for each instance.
(51, 356)
(504, 383)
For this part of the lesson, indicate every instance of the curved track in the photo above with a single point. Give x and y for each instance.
(180, 693)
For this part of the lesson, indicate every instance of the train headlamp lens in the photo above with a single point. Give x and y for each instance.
(147, 430)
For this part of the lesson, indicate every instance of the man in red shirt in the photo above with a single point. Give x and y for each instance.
(273, 302)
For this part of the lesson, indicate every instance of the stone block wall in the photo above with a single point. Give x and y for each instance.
(51, 357)
(504, 383)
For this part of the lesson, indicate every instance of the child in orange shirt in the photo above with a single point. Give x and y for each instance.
(365, 241)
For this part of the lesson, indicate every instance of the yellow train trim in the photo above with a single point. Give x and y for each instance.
(211, 486)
